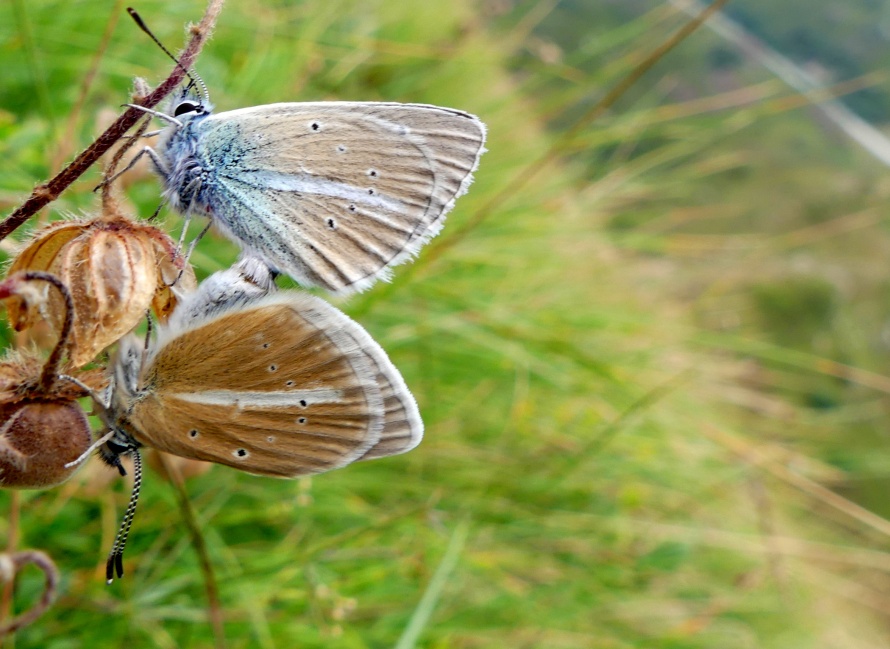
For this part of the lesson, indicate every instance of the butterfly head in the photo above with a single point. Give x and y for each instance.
(112, 407)
(190, 103)
(120, 445)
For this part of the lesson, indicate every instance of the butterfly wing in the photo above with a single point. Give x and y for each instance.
(248, 280)
(402, 425)
(280, 386)
(336, 193)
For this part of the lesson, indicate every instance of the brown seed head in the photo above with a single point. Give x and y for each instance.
(115, 269)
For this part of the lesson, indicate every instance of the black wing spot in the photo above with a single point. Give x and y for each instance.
(266, 345)
(341, 148)
(331, 224)
(301, 420)
(352, 208)
(303, 403)
(242, 453)
(315, 126)
(372, 173)
(193, 433)
(371, 192)
(289, 384)
(273, 368)
(270, 438)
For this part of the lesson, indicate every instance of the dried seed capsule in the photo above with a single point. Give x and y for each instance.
(38, 439)
(115, 268)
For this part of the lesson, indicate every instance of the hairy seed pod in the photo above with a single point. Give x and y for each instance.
(115, 268)
(38, 439)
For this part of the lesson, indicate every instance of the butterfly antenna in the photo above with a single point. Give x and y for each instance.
(203, 86)
(115, 562)
(138, 19)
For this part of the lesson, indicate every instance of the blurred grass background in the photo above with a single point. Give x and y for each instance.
(654, 378)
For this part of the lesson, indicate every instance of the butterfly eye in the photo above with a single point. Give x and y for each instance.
(184, 107)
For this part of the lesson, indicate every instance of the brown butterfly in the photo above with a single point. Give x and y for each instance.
(273, 383)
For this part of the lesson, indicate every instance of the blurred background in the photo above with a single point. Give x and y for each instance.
(651, 346)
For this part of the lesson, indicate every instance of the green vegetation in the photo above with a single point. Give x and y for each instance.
(654, 376)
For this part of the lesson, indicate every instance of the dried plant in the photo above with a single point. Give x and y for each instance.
(115, 269)
(10, 565)
(44, 428)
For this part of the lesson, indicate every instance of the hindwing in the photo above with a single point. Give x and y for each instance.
(280, 386)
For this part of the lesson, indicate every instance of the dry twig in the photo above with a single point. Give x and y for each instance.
(47, 192)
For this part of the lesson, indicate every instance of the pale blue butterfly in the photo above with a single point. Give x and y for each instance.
(333, 194)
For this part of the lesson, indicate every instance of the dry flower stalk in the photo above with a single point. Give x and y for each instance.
(49, 191)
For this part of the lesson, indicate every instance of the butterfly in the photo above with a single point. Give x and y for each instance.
(333, 194)
(272, 383)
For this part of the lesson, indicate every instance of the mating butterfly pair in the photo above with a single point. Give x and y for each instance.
(282, 383)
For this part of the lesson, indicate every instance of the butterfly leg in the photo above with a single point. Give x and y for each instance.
(96, 397)
(190, 190)
(101, 408)
(86, 454)
(194, 243)
(191, 249)
(155, 159)
(157, 211)
(186, 221)
(149, 328)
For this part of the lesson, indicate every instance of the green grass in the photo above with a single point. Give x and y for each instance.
(625, 439)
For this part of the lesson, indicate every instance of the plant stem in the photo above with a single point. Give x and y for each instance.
(46, 193)
(214, 608)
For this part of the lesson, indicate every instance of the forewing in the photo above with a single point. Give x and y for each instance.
(277, 387)
(337, 193)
